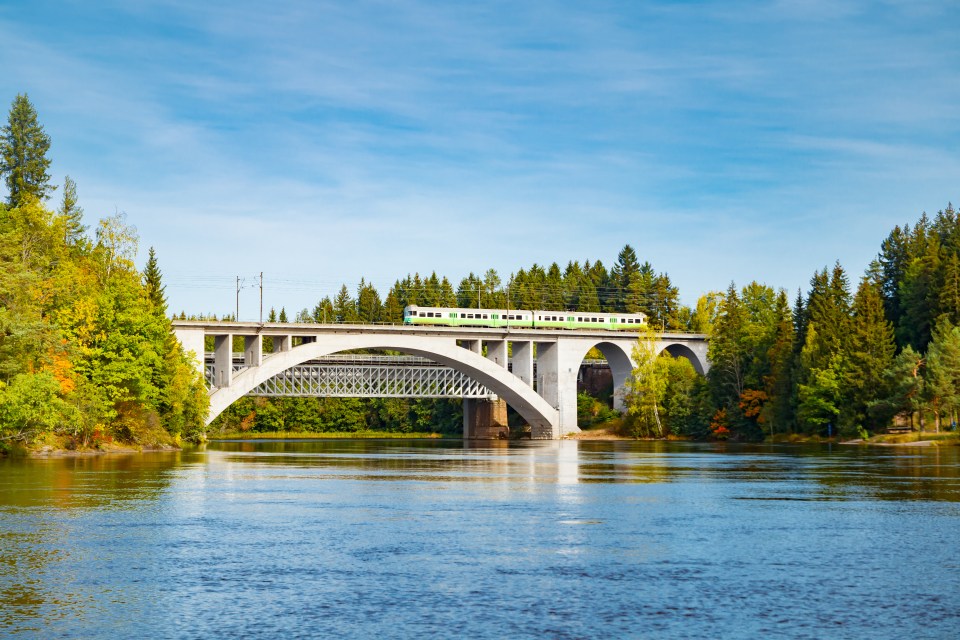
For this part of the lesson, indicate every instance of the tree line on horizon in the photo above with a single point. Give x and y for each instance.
(87, 353)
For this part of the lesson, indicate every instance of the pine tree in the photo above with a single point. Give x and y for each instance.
(344, 308)
(368, 303)
(23, 154)
(870, 353)
(943, 371)
(553, 289)
(949, 301)
(920, 290)
(778, 383)
(152, 281)
(323, 311)
(283, 315)
(72, 213)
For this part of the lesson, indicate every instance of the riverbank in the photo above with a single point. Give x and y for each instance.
(913, 439)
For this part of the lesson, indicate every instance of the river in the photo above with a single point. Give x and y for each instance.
(434, 539)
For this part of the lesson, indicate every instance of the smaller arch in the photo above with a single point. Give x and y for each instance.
(678, 350)
(619, 357)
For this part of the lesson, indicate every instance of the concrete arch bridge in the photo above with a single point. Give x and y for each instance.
(548, 403)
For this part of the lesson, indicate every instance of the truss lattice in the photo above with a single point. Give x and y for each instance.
(369, 377)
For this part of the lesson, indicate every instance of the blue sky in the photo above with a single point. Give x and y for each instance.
(322, 142)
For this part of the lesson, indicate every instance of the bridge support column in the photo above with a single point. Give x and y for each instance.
(485, 419)
(469, 417)
(497, 352)
(253, 350)
(471, 345)
(282, 343)
(223, 360)
(192, 342)
(557, 368)
(523, 361)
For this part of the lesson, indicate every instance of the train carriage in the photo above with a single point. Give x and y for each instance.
(452, 317)
(503, 318)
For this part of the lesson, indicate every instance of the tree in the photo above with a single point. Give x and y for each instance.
(344, 308)
(23, 154)
(870, 352)
(368, 303)
(624, 277)
(821, 398)
(943, 371)
(72, 213)
(152, 281)
(902, 387)
(646, 386)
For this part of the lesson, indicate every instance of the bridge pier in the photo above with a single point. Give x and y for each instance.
(485, 419)
(223, 360)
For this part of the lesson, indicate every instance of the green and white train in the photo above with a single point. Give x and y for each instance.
(451, 317)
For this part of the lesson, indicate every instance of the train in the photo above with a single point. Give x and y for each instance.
(509, 318)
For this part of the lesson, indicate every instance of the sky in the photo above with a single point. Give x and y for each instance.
(325, 142)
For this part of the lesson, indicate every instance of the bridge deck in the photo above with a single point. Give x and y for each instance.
(470, 333)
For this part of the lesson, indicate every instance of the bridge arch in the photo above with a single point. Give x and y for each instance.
(679, 350)
(619, 357)
(533, 408)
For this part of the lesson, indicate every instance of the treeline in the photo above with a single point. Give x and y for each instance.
(87, 354)
(628, 286)
(841, 360)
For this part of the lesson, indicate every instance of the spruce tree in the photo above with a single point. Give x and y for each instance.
(943, 371)
(152, 281)
(626, 269)
(870, 352)
(23, 154)
(72, 213)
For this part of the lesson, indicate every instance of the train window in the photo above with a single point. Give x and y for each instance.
(579, 319)
(412, 313)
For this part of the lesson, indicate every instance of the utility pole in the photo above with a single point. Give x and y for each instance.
(261, 297)
(236, 316)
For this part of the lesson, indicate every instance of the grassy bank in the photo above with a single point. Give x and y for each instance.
(933, 439)
(329, 435)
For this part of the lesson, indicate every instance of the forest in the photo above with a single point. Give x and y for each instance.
(87, 354)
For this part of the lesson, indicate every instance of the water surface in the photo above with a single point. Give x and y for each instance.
(444, 539)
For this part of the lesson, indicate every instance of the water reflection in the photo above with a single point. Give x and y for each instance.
(535, 539)
(809, 472)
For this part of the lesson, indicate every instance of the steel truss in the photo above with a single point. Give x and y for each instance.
(369, 377)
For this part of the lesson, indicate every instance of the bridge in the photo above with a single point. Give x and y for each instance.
(547, 402)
